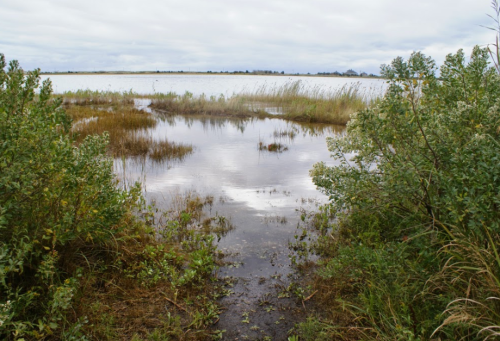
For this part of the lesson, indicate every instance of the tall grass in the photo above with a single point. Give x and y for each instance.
(95, 97)
(188, 104)
(293, 101)
(298, 102)
(473, 266)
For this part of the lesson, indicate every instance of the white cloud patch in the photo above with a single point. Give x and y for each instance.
(293, 36)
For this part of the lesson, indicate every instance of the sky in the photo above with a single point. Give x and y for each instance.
(232, 35)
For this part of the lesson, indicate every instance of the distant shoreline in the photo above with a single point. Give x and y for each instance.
(87, 73)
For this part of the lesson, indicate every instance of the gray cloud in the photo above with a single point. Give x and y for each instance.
(294, 36)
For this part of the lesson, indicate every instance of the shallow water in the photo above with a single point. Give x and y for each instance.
(262, 193)
(259, 191)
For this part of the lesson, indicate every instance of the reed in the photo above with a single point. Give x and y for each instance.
(298, 102)
(96, 97)
(292, 101)
(188, 104)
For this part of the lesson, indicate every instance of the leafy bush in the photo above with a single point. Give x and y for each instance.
(56, 201)
(422, 192)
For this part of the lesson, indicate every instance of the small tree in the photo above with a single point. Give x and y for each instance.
(55, 200)
(422, 191)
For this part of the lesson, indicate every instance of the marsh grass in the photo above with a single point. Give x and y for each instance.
(96, 97)
(292, 101)
(128, 131)
(298, 102)
(188, 104)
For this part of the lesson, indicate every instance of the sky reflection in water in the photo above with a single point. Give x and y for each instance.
(257, 187)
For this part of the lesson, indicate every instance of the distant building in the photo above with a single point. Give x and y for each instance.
(363, 74)
(350, 72)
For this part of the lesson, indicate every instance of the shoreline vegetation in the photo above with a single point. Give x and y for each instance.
(407, 248)
(291, 101)
(80, 258)
(413, 250)
(208, 73)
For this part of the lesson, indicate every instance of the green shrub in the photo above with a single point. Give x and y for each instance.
(56, 200)
(425, 178)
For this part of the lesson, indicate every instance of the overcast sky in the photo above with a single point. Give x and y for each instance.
(227, 35)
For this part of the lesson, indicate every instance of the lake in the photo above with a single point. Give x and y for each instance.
(198, 84)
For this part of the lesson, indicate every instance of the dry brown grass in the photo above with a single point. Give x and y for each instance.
(128, 131)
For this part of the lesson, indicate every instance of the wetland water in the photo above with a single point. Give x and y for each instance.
(260, 191)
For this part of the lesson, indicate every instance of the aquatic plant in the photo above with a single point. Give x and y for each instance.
(272, 147)
(293, 100)
(98, 97)
(187, 104)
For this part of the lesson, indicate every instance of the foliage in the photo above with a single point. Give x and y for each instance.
(418, 202)
(71, 241)
(54, 200)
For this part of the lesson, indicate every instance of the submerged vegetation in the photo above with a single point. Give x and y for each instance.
(274, 147)
(413, 253)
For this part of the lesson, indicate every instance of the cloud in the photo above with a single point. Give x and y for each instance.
(294, 36)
